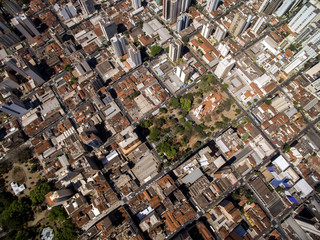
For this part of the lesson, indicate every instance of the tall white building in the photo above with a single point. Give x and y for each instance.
(135, 56)
(301, 20)
(304, 55)
(175, 50)
(284, 8)
(259, 25)
(212, 5)
(119, 44)
(25, 26)
(185, 4)
(220, 33)
(136, 4)
(184, 72)
(206, 30)
(240, 23)
(223, 49)
(224, 67)
(270, 6)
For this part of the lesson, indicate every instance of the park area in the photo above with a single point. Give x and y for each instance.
(185, 123)
(24, 215)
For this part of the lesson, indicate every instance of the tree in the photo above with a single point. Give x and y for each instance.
(37, 195)
(225, 86)
(73, 80)
(197, 145)
(154, 134)
(167, 148)
(225, 119)
(174, 102)
(185, 104)
(238, 111)
(5, 167)
(185, 40)
(58, 213)
(182, 120)
(23, 155)
(163, 110)
(68, 68)
(188, 124)
(219, 124)
(287, 148)
(167, 49)
(268, 101)
(160, 122)
(173, 121)
(155, 50)
(66, 232)
(180, 129)
(16, 215)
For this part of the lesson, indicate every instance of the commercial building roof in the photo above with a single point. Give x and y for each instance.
(303, 187)
(193, 176)
(281, 163)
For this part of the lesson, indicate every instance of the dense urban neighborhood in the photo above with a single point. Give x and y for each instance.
(159, 119)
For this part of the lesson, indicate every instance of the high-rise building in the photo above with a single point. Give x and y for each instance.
(220, 33)
(224, 49)
(185, 4)
(25, 70)
(25, 26)
(239, 23)
(8, 38)
(174, 11)
(68, 11)
(87, 6)
(166, 9)
(12, 105)
(224, 67)
(119, 44)
(175, 49)
(136, 4)
(286, 5)
(304, 55)
(302, 19)
(309, 35)
(183, 72)
(270, 6)
(183, 22)
(212, 5)
(259, 25)
(109, 29)
(206, 30)
(11, 7)
(173, 8)
(135, 56)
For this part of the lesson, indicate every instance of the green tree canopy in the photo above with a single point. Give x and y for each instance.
(16, 215)
(167, 148)
(225, 86)
(154, 134)
(185, 104)
(185, 40)
(268, 101)
(59, 213)
(68, 68)
(174, 102)
(66, 232)
(155, 50)
(37, 195)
